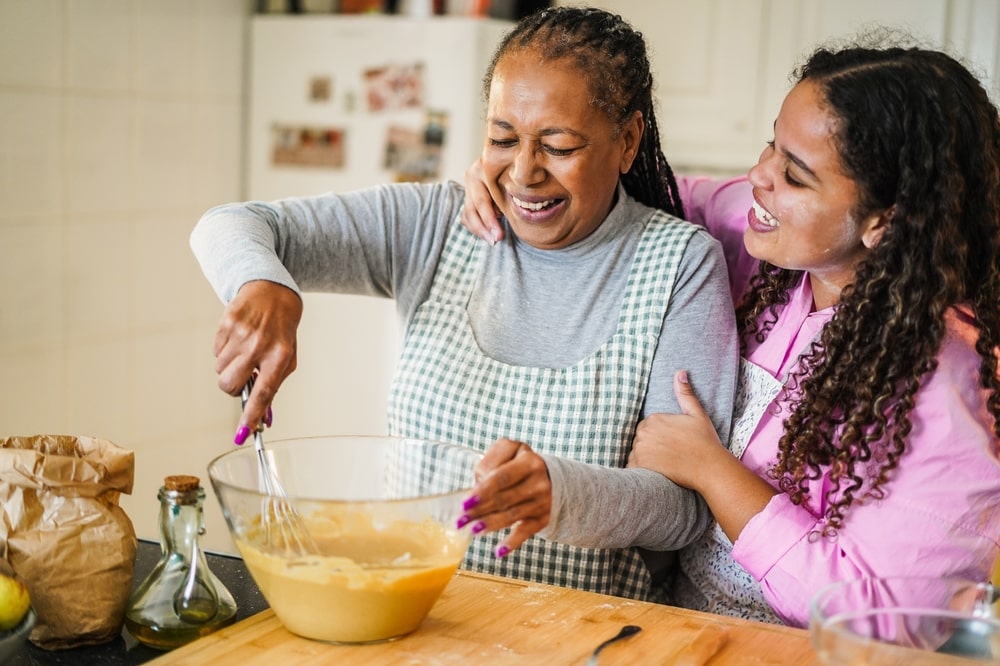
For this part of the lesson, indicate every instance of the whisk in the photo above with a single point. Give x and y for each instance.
(283, 527)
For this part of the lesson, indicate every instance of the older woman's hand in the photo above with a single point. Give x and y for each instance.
(479, 215)
(257, 332)
(512, 489)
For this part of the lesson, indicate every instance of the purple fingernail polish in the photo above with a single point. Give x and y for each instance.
(241, 435)
(462, 521)
(269, 417)
(502, 552)
(471, 502)
(478, 527)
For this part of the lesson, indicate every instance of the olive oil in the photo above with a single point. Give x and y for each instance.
(168, 637)
(181, 599)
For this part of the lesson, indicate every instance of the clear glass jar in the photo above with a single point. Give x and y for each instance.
(181, 599)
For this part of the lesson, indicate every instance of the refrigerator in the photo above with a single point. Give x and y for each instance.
(342, 102)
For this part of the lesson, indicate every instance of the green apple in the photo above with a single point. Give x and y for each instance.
(14, 602)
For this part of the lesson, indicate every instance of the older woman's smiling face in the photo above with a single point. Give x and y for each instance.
(552, 159)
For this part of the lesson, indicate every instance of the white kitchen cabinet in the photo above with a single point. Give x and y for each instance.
(722, 67)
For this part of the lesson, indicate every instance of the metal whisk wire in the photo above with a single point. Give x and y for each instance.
(283, 527)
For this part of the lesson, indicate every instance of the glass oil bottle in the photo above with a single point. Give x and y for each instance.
(181, 599)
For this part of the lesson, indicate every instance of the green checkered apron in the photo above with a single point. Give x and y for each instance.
(447, 389)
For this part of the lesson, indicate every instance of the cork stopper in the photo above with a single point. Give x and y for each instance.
(181, 483)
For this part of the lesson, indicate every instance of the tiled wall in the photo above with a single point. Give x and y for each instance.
(120, 123)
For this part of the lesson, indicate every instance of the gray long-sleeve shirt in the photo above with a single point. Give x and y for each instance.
(529, 307)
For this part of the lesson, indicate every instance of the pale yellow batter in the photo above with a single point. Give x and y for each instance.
(379, 582)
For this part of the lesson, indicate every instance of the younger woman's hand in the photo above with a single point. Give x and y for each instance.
(479, 215)
(682, 447)
(512, 489)
(686, 449)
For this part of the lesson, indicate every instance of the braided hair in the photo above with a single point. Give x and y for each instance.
(612, 56)
(915, 130)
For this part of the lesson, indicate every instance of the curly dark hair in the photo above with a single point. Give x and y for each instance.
(916, 131)
(612, 58)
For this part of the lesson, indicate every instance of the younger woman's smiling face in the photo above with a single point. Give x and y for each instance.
(804, 212)
(552, 159)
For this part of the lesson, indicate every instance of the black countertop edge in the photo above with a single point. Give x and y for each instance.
(125, 650)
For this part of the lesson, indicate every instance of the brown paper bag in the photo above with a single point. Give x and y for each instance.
(64, 535)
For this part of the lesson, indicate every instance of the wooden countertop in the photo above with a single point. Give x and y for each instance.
(483, 619)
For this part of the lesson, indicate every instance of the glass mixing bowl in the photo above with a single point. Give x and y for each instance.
(376, 517)
(912, 621)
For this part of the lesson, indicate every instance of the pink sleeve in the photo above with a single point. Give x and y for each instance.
(721, 206)
(941, 516)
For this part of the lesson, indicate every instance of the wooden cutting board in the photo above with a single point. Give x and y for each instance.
(489, 620)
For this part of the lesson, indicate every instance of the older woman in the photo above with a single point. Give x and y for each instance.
(546, 348)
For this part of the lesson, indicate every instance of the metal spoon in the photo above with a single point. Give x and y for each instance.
(627, 630)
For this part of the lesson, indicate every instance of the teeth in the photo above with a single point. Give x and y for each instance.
(764, 216)
(532, 206)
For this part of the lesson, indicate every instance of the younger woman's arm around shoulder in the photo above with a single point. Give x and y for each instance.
(721, 206)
